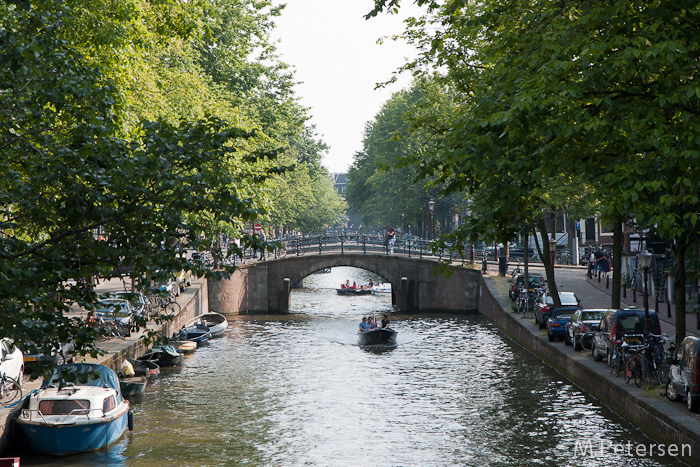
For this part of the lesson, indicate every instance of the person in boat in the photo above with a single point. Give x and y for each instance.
(371, 323)
(385, 322)
(347, 284)
(354, 285)
(370, 284)
(364, 327)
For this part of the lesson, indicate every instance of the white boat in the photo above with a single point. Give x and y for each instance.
(66, 417)
(382, 288)
(216, 323)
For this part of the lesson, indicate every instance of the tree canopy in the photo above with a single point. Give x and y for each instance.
(133, 131)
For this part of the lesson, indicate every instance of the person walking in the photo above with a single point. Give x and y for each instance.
(262, 249)
(390, 239)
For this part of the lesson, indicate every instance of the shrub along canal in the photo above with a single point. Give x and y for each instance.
(297, 390)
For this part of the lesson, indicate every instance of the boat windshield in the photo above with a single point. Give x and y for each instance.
(64, 407)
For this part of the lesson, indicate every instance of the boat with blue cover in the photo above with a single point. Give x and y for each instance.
(80, 408)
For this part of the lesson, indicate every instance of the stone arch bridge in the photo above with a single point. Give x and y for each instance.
(265, 287)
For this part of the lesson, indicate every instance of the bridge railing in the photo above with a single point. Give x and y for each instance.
(365, 243)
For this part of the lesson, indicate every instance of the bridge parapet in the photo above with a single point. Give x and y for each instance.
(264, 287)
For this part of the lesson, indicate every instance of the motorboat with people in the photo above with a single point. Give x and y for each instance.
(80, 408)
(371, 334)
(216, 322)
(354, 289)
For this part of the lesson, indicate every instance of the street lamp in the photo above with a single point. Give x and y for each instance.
(431, 208)
(644, 263)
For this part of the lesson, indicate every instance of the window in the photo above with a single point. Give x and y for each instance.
(64, 407)
(109, 404)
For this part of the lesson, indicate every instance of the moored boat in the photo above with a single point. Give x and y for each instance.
(378, 336)
(133, 386)
(216, 322)
(196, 332)
(66, 417)
(381, 288)
(145, 368)
(163, 355)
(185, 347)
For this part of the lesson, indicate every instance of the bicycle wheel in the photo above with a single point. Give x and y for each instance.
(629, 368)
(300, 250)
(172, 309)
(663, 368)
(637, 371)
(10, 390)
(281, 252)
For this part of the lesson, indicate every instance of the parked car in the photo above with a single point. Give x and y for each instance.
(545, 304)
(684, 375)
(136, 300)
(582, 326)
(115, 309)
(556, 324)
(11, 362)
(519, 281)
(56, 355)
(617, 323)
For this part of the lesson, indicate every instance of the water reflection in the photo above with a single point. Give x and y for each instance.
(298, 390)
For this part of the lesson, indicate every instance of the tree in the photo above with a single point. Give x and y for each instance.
(603, 90)
(383, 184)
(71, 168)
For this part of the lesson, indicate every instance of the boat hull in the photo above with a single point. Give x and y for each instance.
(216, 322)
(61, 440)
(133, 386)
(353, 291)
(163, 357)
(145, 368)
(378, 337)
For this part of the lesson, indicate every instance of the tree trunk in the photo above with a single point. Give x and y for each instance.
(548, 264)
(553, 217)
(679, 248)
(616, 263)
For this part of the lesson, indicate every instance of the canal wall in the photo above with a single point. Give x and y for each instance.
(667, 424)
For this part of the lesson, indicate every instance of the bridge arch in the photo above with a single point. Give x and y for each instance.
(266, 286)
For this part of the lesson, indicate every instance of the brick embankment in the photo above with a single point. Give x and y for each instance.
(665, 422)
(193, 302)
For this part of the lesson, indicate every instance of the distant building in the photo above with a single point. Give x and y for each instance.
(340, 181)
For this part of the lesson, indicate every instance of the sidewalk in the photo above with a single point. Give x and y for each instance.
(594, 294)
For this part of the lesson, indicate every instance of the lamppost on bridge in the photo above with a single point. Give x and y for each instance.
(645, 263)
(431, 208)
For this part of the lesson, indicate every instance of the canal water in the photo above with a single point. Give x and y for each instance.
(297, 390)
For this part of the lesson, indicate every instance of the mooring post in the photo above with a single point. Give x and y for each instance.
(286, 292)
(403, 294)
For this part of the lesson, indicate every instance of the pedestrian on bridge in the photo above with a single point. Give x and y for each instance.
(390, 239)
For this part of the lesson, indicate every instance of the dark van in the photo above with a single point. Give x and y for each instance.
(617, 323)
(684, 375)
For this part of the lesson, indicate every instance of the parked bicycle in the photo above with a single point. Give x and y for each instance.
(160, 305)
(633, 364)
(656, 360)
(10, 390)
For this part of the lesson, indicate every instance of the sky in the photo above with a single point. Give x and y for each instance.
(335, 54)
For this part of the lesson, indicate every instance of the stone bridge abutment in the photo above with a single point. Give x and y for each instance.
(265, 287)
